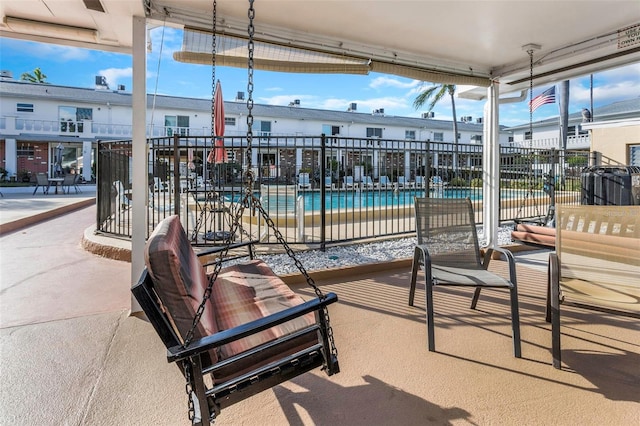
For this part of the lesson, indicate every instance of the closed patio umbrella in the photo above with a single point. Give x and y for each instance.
(220, 155)
(58, 160)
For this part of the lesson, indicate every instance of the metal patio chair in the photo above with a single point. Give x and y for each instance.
(449, 253)
(42, 180)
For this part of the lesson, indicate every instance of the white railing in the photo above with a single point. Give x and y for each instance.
(573, 142)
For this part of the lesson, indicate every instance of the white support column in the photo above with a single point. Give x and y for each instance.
(407, 165)
(139, 149)
(491, 167)
(86, 160)
(298, 160)
(11, 156)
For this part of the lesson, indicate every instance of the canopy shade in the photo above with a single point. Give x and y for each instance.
(232, 52)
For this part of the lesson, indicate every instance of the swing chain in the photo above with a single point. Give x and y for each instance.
(250, 46)
(213, 73)
(188, 365)
(301, 268)
(249, 200)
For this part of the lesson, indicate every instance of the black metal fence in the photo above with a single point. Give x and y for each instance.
(320, 190)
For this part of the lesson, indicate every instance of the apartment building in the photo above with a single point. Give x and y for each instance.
(45, 127)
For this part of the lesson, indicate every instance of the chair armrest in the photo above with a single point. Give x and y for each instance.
(177, 353)
(422, 252)
(509, 257)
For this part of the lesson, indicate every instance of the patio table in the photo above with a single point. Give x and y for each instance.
(56, 182)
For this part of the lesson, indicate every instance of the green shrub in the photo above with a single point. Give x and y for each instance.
(458, 181)
(476, 183)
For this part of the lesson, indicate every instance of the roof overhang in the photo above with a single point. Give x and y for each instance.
(459, 42)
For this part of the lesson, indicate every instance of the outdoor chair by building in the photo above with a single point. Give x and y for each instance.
(42, 181)
(420, 182)
(449, 253)
(70, 181)
(596, 264)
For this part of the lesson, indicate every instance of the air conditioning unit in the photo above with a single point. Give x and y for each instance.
(121, 87)
(101, 81)
(429, 114)
(353, 107)
(469, 119)
(479, 120)
(240, 96)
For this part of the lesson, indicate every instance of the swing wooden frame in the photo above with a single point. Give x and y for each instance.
(224, 357)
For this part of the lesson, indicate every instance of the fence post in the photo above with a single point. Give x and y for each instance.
(323, 191)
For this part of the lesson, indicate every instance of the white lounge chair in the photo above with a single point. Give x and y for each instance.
(328, 182)
(403, 183)
(367, 182)
(303, 181)
(419, 182)
(348, 182)
(383, 182)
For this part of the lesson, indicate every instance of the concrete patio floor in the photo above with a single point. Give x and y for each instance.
(71, 353)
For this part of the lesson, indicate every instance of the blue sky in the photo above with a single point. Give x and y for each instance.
(76, 67)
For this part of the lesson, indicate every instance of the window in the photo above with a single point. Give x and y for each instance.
(438, 137)
(576, 131)
(25, 150)
(71, 118)
(527, 136)
(330, 130)
(229, 121)
(24, 107)
(476, 138)
(634, 155)
(374, 132)
(176, 123)
(263, 128)
(410, 134)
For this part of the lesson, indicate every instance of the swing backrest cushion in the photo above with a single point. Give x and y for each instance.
(179, 279)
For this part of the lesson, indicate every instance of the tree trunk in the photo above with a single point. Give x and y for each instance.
(455, 135)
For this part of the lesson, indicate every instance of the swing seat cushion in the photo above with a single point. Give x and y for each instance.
(179, 279)
(250, 291)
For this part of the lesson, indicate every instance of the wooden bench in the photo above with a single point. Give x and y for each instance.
(254, 331)
(596, 264)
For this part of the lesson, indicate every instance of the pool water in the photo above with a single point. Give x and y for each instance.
(336, 200)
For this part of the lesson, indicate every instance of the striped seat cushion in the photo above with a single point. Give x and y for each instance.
(179, 279)
(250, 291)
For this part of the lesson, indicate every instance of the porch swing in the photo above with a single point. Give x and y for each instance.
(539, 233)
(240, 330)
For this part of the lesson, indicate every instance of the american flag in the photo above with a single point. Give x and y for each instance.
(546, 97)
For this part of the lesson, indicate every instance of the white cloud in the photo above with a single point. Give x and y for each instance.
(386, 81)
(114, 74)
(49, 52)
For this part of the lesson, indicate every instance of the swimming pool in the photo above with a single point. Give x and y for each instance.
(342, 200)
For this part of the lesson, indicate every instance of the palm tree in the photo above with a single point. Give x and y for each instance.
(36, 77)
(435, 94)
